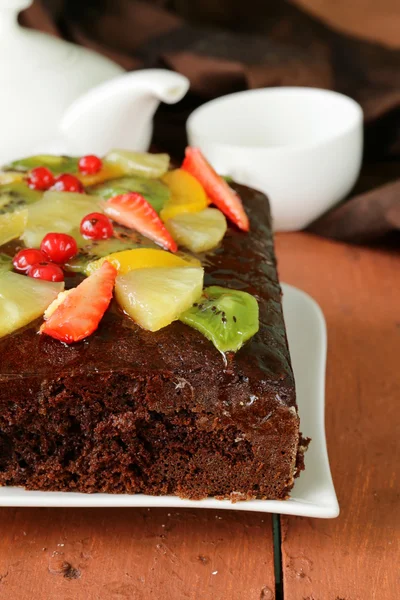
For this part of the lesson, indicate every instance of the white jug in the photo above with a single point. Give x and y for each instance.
(59, 97)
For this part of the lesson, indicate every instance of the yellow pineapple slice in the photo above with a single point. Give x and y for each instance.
(11, 177)
(156, 297)
(12, 225)
(57, 211)
(23, 299)
(144, 164)
(198, 231)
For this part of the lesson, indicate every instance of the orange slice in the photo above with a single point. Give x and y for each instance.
(187, 194)
(108, 171)
(141, 258)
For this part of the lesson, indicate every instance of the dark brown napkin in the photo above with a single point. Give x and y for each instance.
(227, 45)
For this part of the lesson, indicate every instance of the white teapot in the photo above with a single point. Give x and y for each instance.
(62, 98)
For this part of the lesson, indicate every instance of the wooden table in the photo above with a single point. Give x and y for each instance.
(140, 554)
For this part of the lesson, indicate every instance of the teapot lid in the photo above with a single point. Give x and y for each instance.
(28, 50)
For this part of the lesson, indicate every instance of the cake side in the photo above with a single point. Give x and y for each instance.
(133, 411)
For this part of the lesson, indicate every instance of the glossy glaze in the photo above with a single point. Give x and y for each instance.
(244, 261)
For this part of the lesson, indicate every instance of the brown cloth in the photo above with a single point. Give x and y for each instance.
(224, 46)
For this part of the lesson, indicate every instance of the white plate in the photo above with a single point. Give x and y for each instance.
(313, 494)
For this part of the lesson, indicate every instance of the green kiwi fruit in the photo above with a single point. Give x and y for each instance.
(154, 190)
(124, 239)
(228, 318)
(16, 195)
(56, 164)
(5, 263)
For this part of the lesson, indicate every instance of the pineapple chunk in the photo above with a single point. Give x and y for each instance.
(12, 225)
(57, 211)
(199, 231)
(23, 299)
(138, 163)
(11, 177)
(156, 297)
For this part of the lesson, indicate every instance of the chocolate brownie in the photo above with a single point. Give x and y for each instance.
(128, 410)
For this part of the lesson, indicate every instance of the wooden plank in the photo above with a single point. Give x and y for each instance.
(354, 557)
(135, 554)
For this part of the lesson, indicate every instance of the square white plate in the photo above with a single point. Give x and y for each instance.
(313, 494)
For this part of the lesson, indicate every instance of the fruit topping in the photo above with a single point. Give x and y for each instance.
(24, 259)
(216, 188)
(133, 211)
(96, 226)
(156, 297)
(57, 164)
(141, 258)
(59, 247)
(228, 318)
(23, 299)
(68, 183)
(12, 225)
(198, 231)
(106, 172)
(153, 190)
(187, 195)
(139, 163)
(5, 263)
(91, 250)
(40, 178)
(57, 211)
(15, 196)
(9, 176)
(46, 270)
(80, 311)
(90, 164)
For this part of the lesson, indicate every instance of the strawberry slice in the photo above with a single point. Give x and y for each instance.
(133, 211)
(76, 314)
(216, 188)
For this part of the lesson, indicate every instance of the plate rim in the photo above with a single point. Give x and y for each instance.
(19, 497)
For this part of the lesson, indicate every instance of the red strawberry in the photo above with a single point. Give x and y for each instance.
(77, 313)
(133, 211)
(216, 188)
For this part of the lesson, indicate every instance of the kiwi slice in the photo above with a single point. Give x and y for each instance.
(56, 164)
(154, 190)
(124, 239)
(14, 196)
(5, 263)
(228, 318)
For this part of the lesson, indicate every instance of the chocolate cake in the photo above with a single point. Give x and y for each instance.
(134, 411)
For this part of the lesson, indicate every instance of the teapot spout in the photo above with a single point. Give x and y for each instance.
(119, 112)
(167, 86)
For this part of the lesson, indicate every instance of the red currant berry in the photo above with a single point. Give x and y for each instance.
(90, 164)
(68, 183)
(46, 270)
(24, 259)
(96, 226)
(58, 247)
(40, 178)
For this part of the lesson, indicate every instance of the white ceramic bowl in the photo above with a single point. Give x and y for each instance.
(300, 146)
